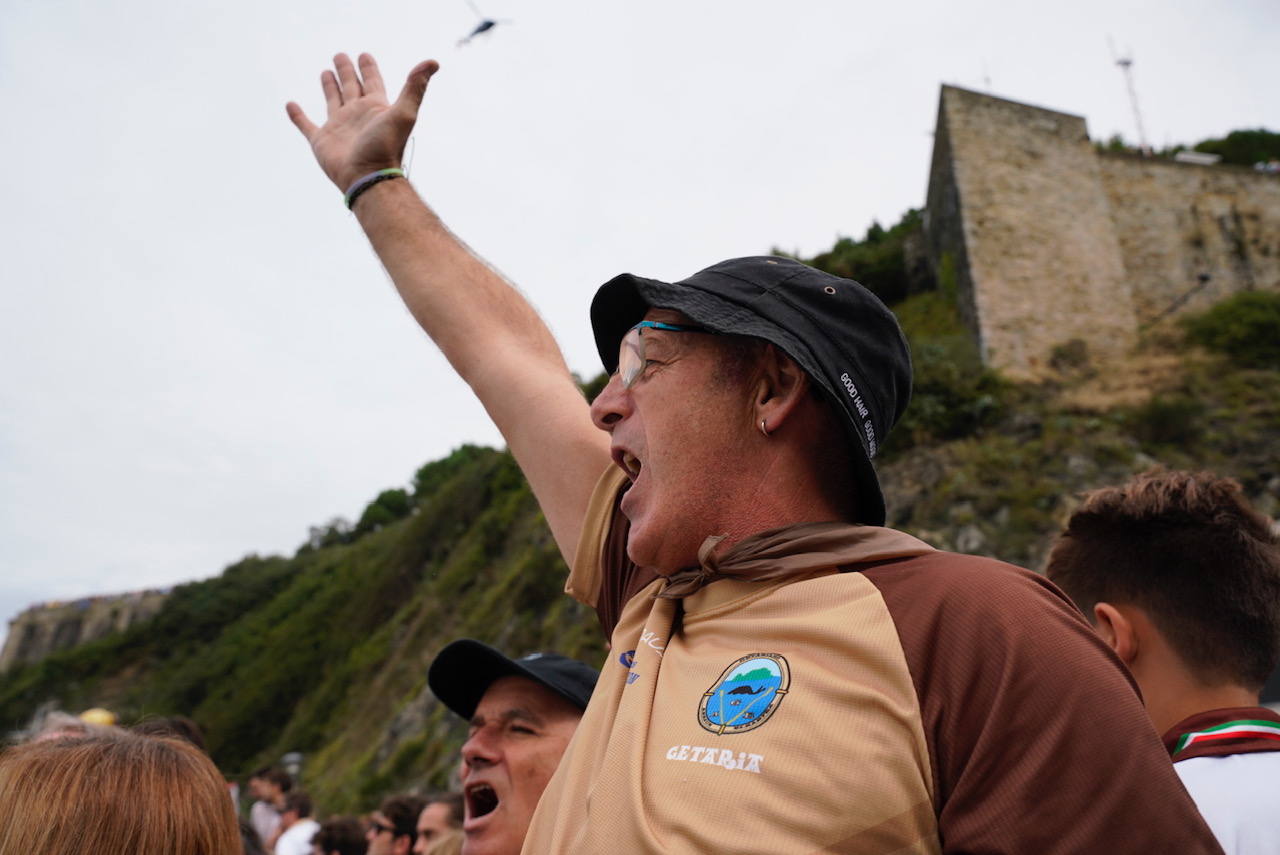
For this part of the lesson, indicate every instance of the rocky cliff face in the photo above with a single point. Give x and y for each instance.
(49, 627)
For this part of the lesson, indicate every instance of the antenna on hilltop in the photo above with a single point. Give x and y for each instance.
(1126, 65)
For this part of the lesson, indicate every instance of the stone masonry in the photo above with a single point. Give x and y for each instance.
(50, 627)
(1046, 241)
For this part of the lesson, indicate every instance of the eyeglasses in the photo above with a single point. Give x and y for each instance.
(377, 828)
(631, 352)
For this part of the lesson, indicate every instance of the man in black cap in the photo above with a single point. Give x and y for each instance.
(787, 675)
(522, 714)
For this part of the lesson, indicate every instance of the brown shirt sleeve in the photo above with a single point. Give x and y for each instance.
(1037, 736)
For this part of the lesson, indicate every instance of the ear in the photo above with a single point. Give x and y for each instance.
(780, 388)
(1117, 630)
(400, 845)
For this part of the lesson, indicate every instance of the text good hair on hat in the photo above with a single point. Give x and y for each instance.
(114, 791)
(841, 334)
(1188, 549)
(464, 670)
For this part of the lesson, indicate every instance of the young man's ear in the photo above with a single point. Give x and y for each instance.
(1117, 630)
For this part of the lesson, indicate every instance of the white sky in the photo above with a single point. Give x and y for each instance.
(199, 355)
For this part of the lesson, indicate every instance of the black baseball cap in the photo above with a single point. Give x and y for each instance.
(840, 333)
(465, 669)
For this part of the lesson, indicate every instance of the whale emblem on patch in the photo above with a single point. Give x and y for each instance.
(745, 694)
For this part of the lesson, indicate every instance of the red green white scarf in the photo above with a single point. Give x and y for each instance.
(1237, 730)
(1247, 728)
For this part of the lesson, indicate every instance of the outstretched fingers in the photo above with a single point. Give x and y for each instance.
(415, 86)
(332, 94)
(372, 77)
(348, 80)
(299, 119)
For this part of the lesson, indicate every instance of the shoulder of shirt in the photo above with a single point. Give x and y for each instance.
(962, 578)
(967, 600)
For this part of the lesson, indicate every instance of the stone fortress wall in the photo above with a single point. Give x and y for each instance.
(49, 627)
(1047, 241)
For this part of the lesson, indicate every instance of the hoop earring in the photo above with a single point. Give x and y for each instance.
(764, 430)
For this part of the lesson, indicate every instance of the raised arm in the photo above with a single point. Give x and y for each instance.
(488, 331)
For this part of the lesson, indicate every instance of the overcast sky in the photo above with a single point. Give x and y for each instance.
(199, 355)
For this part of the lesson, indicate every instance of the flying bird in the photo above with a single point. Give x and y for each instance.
(485, 25)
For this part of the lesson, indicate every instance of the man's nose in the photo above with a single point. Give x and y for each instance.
(478, 751)
(611, 405)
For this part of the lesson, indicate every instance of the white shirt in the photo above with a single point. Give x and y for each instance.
(296, 840)
(1239, 797)
(264, 819)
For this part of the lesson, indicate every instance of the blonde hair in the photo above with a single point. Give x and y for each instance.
(114, 792)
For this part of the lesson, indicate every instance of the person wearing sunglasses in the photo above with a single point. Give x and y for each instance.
(392, 829)
(786, 674)
(297, 825)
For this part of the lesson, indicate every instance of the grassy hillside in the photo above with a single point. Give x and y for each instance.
(326, 652)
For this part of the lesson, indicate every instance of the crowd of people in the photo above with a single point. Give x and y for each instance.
(786, 673)
(84, 783)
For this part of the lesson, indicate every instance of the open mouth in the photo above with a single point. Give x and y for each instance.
(627, 462)
(481, 801)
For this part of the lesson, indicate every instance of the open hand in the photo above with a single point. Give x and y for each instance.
(362, 133)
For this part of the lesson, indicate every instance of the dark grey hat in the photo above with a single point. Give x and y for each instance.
(465, 669)
(835, 329)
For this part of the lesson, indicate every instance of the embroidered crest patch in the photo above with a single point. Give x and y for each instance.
(745, 694)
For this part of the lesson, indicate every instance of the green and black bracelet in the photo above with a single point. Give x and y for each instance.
(363, 184)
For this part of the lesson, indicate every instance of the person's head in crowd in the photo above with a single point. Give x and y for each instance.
(441, 816)
(114, 792)
(296, 806)
(270, 784)
(1181, 577)
(393, 827)
(57, 724)
(173, 725)
(342, 835)
(522, 714)
(250, 840)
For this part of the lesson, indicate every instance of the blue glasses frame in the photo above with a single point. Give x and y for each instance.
(631, 351)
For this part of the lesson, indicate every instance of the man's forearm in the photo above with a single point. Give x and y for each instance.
(499, 345)
(465, 306)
